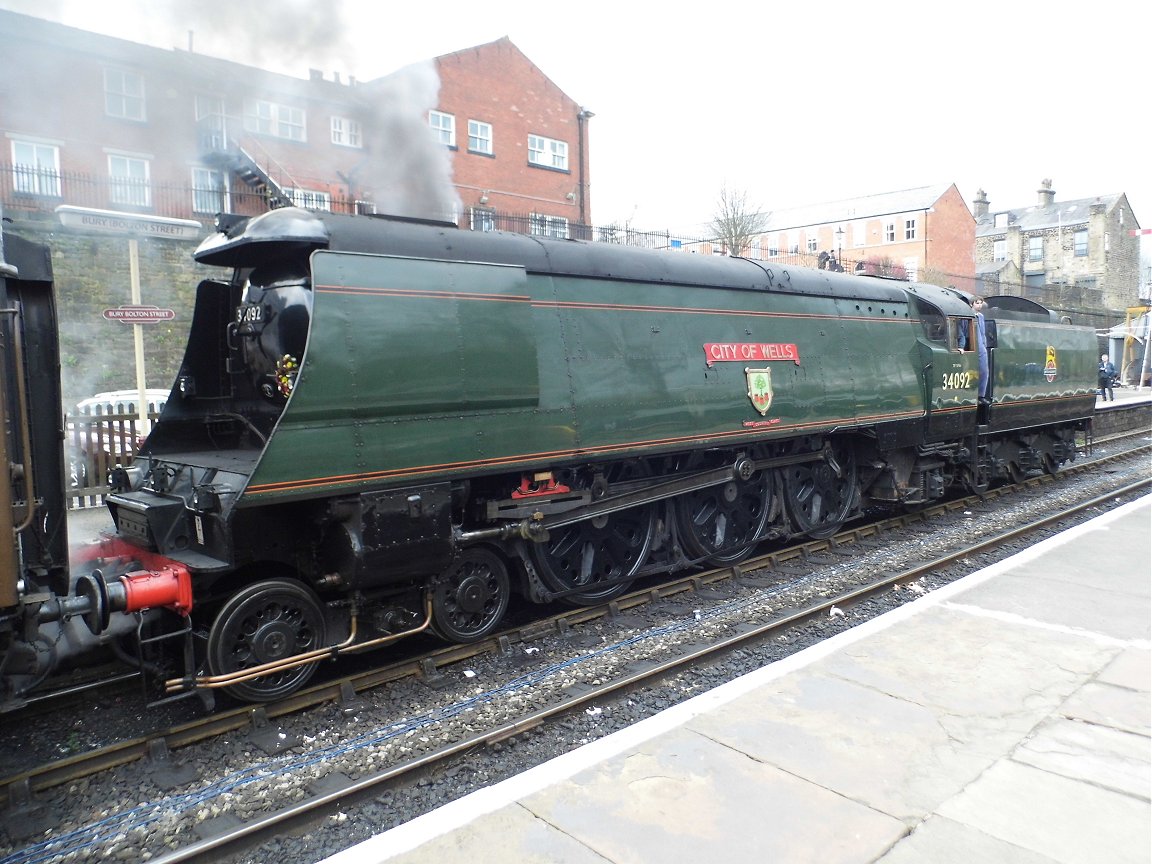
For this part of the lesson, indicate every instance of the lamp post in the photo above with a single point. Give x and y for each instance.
(839, 243)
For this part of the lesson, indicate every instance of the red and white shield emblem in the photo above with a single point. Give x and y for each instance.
(760, 388)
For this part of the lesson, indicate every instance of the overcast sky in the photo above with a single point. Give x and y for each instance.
(794, 103)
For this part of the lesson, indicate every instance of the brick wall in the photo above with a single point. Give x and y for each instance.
(495, 83)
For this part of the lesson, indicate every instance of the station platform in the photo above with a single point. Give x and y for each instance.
(1003, 719)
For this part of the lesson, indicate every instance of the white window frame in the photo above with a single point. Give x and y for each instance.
(444, 127)
(278, 120)
(130, 179)
(124, 94)
(209, 191)
(889, 232)
(547, 152)
(543, 225)
(310, 199)
(482, 219)
(480, 137)
(210, 120)
(1000, 250)
(859, 234)
(910, 228)
(346, 132)
(1036, 248)
(1080, 243)
(36, 167)
(812, 242)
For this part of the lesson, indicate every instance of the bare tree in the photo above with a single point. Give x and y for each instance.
(735, 223)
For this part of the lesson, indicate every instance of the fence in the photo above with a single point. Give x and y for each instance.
(96, 442)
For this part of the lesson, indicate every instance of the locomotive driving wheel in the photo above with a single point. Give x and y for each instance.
(721, 524)
(591, 555)
(820, 494)
(264, 622)
(470, 598)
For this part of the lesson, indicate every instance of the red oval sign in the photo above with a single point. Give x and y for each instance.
(139, 314)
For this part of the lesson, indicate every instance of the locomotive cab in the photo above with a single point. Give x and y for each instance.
(271, 327)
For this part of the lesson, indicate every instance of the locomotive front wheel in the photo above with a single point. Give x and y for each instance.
(470, 598)
(721, 524)
(820, 495)
(263, 622)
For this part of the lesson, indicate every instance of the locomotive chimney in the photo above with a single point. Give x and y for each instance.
(1045, 193)
(980, 204)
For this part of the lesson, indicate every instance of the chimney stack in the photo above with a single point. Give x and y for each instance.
(980, 204)
(1045, 193)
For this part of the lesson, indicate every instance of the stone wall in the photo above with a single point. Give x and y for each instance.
(92, 273)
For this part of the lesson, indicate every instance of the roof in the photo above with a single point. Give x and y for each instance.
(1035, 218)
(987, 268)
(882, 204)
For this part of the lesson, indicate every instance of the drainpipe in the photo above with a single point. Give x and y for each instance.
(582, 118)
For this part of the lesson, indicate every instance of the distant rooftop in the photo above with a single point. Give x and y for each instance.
(1037, 217)
(904, 201)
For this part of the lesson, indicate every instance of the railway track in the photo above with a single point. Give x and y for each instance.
(427, 668)
(300, 816)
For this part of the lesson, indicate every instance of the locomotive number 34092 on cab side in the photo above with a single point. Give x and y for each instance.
(958, 380)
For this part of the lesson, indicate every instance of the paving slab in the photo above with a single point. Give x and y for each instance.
(888, 753)
(1109, 758)
(1132, 669)
(1108, 705)
(904, 720)
(685, 797)
(1088, 585)
(942, 841)
(1069, 821)
(508, 836)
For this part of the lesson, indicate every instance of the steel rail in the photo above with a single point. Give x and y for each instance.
(125, 752)
(208, 849)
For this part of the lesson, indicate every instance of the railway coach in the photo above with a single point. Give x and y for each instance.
(383, 427)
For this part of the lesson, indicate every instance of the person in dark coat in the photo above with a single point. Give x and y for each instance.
(1105, 373)
(978, 307)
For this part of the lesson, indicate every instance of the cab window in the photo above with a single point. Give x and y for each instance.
(933, 322)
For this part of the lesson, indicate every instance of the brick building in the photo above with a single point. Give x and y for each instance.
(1078, 257)
(101, 122)
(519, 148)
(926, 233)
(98, 122)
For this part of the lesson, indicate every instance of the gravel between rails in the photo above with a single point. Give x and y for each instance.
(237, 779)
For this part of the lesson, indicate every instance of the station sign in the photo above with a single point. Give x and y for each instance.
(113, 222)
(139, 314)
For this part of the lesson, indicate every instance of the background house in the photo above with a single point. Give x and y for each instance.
(925, 233)
(1078, 257)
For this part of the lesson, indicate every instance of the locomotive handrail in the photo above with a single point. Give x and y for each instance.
(25, 433)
